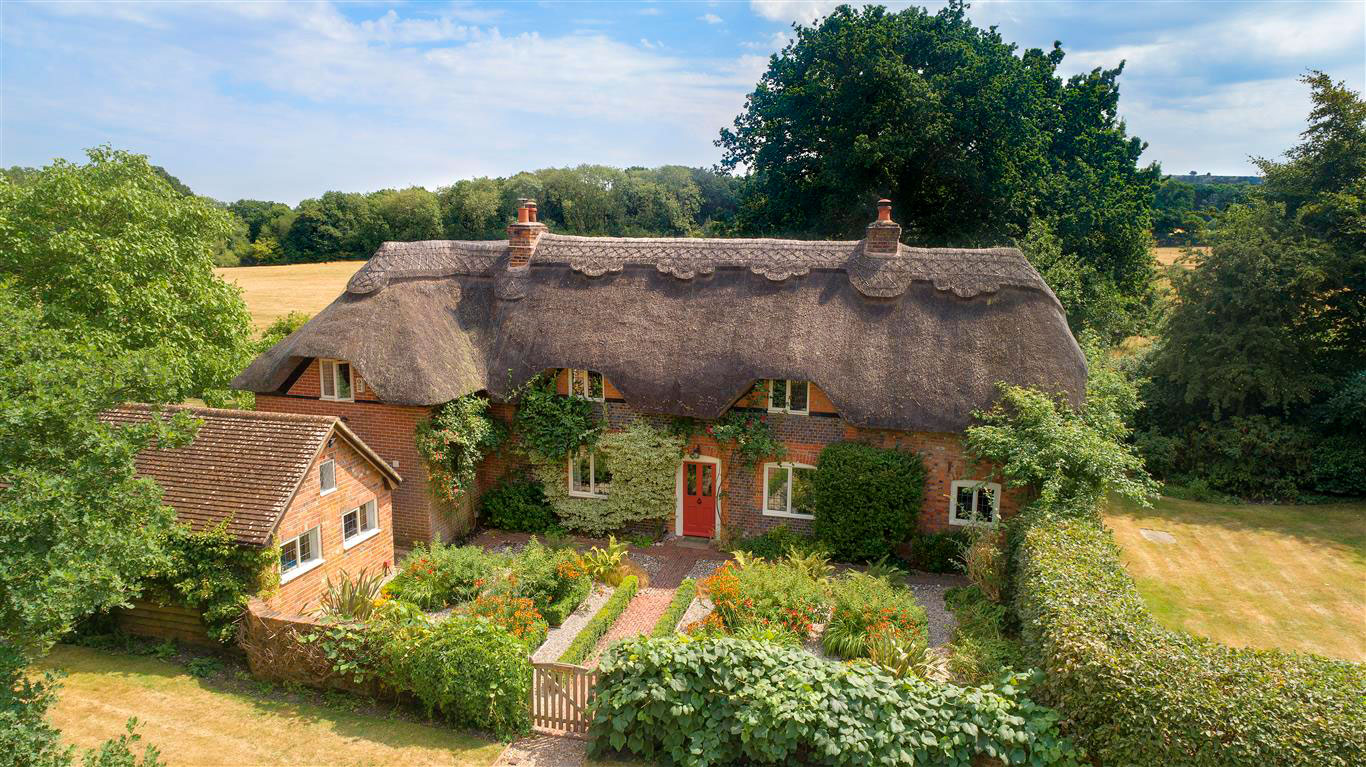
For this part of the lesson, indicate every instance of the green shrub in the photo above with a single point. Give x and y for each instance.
(939, 552)
(517, 504)
(867, 499)
(1255, 457)
(731, 701)
(981, 651)
(777, 542)
(1140, 694)
(348, 599)
(548, 426)
(667, 625)
(552, 578)
(860, 602)
(1339, 466)
(434, 576)
(453, 442)
(465, 667)
(776, 595)
(597, 627)
(209, 571)
(1196, 489)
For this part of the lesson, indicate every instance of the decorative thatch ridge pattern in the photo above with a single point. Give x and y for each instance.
(915, 339)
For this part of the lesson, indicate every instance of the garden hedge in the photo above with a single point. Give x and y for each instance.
(867, 499)
(597, 626)
(1138, 694)
(667, 625)
(734, 701)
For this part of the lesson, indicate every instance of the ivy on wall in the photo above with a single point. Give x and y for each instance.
(453, 442)
(644, 464)
(550, 426)
(209, 571)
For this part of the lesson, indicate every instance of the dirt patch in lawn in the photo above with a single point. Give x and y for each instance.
(203, 723)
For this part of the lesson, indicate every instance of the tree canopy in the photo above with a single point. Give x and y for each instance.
(113, 254)
(971, 140)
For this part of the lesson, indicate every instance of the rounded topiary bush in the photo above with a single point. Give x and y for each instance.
(519, 505)
(867, 499)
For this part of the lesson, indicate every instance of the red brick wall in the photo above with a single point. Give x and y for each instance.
(358, 481)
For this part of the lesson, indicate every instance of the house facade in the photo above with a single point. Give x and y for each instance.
(303, 483)
(866, 340)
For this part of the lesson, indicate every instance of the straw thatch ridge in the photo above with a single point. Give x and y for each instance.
(915, 340)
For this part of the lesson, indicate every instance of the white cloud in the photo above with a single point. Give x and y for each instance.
(711, 18)
(804, 11)
(389, 28)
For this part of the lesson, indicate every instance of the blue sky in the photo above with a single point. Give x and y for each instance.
(285, 100)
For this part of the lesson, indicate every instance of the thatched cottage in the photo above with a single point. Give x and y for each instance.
(858, 340)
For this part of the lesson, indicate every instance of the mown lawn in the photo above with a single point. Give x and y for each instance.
(201, 723)
(274, 291)
(1292, 577)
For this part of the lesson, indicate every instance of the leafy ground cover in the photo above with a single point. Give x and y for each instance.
(1292, 577)
(205, 722)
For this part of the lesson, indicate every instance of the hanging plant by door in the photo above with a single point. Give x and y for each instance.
(453, 442)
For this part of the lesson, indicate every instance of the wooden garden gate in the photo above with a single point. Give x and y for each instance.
(560, 694)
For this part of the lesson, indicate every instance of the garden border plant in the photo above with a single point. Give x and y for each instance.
(667, 625)
(596, 628)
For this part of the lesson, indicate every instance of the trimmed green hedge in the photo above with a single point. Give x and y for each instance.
(734, 701)
(588, 637)
(667, 625)
(867, 499)
(517, 504)
(1139, 694)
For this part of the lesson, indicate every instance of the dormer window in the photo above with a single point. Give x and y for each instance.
(586, 384)
(336, 380)
(788, 396)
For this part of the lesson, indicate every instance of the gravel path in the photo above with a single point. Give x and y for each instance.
(700, 608)
(929, 591)
(544, 751)
(560, 637)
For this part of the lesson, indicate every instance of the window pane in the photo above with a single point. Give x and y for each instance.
(802, 502)
(579, 474)
(326, 374)
(777, 394)
(797, 398)
(690, 479)
(289, 556)
(602, 475)
(343, 380)
(965, 495)
(368, 518)
(986, 505)
(327, 475)
(350, 524)
(708, 479)
(775, 478)
(306, 547)
(594, 384)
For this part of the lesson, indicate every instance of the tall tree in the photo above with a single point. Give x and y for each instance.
(113, 254)
(972, 142)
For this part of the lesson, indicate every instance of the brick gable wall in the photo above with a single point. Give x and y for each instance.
(358, 481)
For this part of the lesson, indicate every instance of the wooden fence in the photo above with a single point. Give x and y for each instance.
(560, 694)
(148, 619)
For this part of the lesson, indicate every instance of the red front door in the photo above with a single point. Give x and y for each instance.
(699, 499)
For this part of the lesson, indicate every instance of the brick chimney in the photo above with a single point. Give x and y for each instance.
(523, 234)
(884, 234)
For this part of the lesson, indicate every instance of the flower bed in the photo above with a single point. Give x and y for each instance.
(762, 596)
(864, 606)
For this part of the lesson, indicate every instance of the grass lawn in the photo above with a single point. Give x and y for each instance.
(274, 291)
(196, 722)
(1292, 577)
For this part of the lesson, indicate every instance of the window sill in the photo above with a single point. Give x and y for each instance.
(327, 491)
(783, 411)
(337, 399)
(594, 496)
(970, 522)
(788, 515)
(300, 570)
(357, 540)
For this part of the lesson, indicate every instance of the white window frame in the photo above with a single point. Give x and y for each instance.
(368, 514)
(592, 474)
(787, 391)
(580, 379)
(316, 548)
(789, 513)
(978, 486)
(323, 489)
(328, 370)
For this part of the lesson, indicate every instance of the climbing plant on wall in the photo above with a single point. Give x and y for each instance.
(209, 571)
(453, 442)
(641, 464)
(549, 426)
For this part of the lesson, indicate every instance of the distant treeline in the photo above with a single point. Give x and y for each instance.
(1186, 206)
(589, 199)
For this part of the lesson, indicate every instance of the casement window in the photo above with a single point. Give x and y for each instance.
(586, 384)
(327, 476)
(337, 381)
(359, 524)
(973, 502)
(300, 554)
(787, 490)
(788, 396)
(589, 475)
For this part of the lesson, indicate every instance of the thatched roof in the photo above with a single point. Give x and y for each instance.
(914, 339)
